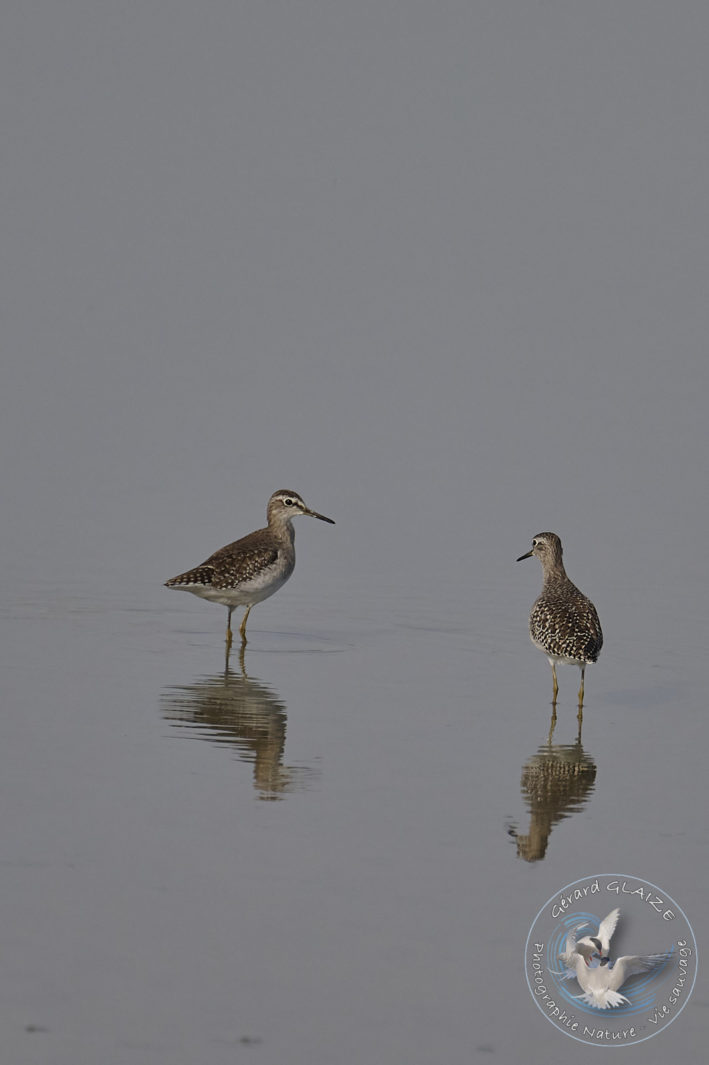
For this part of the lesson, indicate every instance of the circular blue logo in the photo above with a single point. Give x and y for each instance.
(611, 960)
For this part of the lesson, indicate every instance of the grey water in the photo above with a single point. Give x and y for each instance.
(443, 272)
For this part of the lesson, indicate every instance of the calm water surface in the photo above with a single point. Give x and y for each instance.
(331, 849)
(442, 270)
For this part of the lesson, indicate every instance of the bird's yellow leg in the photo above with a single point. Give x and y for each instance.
(242, 627)
(228, 628)
(556, 683)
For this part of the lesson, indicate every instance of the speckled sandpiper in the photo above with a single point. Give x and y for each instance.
(563, 622)
(251, 569)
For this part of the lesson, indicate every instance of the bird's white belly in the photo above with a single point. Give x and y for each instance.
(247, 593)
(556, 659)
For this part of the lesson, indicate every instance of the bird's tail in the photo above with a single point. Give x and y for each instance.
(604, 999)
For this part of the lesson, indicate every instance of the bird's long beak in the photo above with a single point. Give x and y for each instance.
(528, 555)
(314, 514)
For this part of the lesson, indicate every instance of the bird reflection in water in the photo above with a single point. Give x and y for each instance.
(556, 782)
(237, 710)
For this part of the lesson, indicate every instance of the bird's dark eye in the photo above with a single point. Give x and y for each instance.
(288, 502)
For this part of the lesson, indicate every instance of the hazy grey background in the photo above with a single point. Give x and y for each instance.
(441, 268)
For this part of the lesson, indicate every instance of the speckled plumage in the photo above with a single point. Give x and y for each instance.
(232, 567)
(251, 569)
(563, 622)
